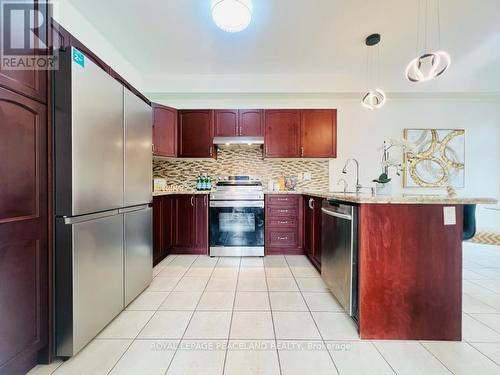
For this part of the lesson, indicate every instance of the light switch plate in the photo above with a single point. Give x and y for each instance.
(450, 215)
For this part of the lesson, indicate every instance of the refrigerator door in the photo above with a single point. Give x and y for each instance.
(138, 251)
(138, 133)
(97, 139)
(89, 277)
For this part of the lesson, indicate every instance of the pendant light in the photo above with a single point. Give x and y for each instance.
(438, 61)
(374, 98)
(232, 15)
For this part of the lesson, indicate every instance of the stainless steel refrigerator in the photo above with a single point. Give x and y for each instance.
(102, 195)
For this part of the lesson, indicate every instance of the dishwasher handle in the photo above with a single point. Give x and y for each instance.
(336, 214)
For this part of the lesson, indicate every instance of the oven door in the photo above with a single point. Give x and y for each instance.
(236, 228)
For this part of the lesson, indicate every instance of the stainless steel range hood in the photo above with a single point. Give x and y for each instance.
(238, 140)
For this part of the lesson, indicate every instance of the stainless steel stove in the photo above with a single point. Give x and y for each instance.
(237, 217)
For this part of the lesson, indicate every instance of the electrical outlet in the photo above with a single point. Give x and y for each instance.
(307, 176)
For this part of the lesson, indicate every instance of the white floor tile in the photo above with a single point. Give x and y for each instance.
(475, 331)
(303, 357)
(209, 325)
(225, 272)
(127, 325)
(335, 326)
(278, 272)
(221, 284)
(146, 357)
(46, 369)
(489, 349)
(252, 284)
(181, 301)
(252, 325)
(198, 358)
(318, 301)
(191, 284)
(249, 272)
(172, 270)
(241, 361)
(358, 358)
(311, 284)
(462, 359)
(148, 301)
(252, 301)
(470, 287)
(163, 284)
(251, 262)
(410, 358)
(491, 320)
(295, 326)
(97, 358)
(230, 262)
(471, 304)
(287, 284)
(216, 301)
(199, 271)
(490, 299)
(166, 325)
(308, 271)
(287, 301)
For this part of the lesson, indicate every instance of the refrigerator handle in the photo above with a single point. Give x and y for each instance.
(69, 220)
(133, 209)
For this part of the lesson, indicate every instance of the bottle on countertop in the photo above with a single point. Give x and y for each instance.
(209, 183)
(199, 182)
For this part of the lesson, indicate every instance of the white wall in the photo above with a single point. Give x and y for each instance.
(66, 15)
(361, 132)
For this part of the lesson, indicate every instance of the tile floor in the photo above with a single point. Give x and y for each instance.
(274, 315)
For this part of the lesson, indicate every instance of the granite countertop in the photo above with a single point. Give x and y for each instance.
(363, 198)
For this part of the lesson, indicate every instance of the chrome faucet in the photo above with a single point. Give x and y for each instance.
(344, 171)
(344, 182)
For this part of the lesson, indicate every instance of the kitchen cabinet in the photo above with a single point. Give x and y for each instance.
(309, 133)
(281, 133)
(318, 133)
(284, 215)
(31, 83)
(24, 252)
(312, 229)
(164, 131)
(196, 133)
(234, 122)
(190, 214)
(163, 226)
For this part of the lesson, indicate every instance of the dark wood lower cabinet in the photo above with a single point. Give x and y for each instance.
(180, 225)
(284, 215)
(23, 232)
(312, 229)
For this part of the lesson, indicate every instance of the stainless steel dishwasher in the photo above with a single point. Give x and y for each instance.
(339, 253)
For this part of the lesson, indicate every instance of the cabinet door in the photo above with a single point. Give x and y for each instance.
(250, 123)
(31, 83)
(164, 131)
(23, 232)
(318, 133)
(196, 133)
(226, 123)
(201, 231)
(308, 225)
(282, 138)
(158, 243)
(184, 223)
(316, 229)
(168, 223)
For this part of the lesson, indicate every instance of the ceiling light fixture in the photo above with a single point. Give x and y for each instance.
(374, 98)
(232, 15)
(428, 65)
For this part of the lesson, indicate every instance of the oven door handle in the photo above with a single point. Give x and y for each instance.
(249, 204)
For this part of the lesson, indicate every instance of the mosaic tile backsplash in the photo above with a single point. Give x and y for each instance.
(241, 160)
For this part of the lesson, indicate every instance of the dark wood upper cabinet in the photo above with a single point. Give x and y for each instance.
(196, 133)
(226, 123)
(318, 132)
(164, 131)
(23, 232)
(282, 136)
(250, 122)
(29, 82)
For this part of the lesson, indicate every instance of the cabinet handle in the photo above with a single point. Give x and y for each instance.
(211, 149)
(153, 147)
(205, 200)
(282, 238)
(311, 203)
(283, 199)
(283, 222)
(283, 210)
(192, 200)
(302, 151)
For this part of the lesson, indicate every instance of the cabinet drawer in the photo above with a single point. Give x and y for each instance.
(282, 200)
(282, 238)
(285, 222)
(283, 212)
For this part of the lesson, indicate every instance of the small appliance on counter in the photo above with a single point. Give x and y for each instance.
(237, 217)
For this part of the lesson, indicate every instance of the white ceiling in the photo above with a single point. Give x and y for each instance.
(296, 45)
